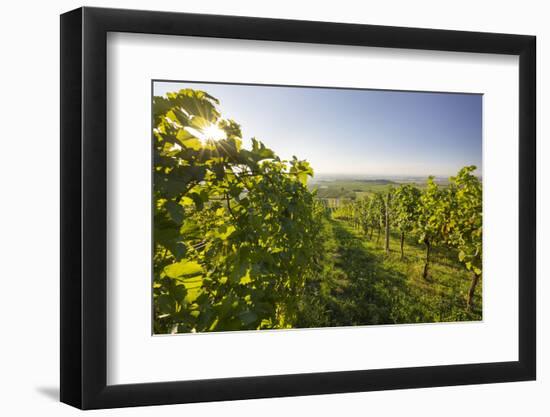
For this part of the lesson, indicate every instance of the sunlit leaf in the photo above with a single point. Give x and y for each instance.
(183, 268)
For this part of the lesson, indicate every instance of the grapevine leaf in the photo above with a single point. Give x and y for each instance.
(183, 268)
(175, 211)
(166, 304)
(248, 317)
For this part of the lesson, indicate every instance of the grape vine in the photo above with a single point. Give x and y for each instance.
(235, 231)
(242, 243)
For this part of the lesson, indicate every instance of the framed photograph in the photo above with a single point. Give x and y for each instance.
(257, 208)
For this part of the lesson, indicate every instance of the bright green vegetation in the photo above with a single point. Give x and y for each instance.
(349, 188)
(242, 242)
(363, 285)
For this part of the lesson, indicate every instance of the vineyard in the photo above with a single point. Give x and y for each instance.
(243, 239)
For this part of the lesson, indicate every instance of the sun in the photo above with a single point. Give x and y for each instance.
(212, 132)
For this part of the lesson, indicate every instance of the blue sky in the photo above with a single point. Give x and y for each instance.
(356, 132)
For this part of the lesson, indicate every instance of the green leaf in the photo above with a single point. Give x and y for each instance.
(245, 279)
(165, 235)
(179, 292)
(192, 143)
(190, 229)
(225, 231)
(193, 287)
(183, 135)
(248, 317)
(166, 304)
(199, 122)
(199, 202)
(183, 268)
(175, 211)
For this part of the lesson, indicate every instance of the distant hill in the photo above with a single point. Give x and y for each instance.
(378, 181)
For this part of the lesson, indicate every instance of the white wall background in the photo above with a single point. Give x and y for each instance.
(29, 219)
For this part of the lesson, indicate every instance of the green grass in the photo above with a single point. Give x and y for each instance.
(360, 285)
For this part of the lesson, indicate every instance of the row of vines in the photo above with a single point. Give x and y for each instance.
(449, 215)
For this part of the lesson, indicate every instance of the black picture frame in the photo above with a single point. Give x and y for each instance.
(84, 207)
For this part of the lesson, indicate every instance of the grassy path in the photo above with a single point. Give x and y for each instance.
(366, 286)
